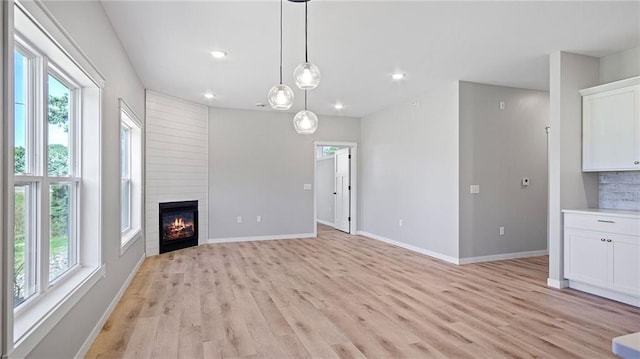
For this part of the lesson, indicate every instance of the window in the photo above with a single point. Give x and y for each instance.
(125, 177)
(325, 151)
(130, 175)
(46, 180)
(55, 242)
(24, 247)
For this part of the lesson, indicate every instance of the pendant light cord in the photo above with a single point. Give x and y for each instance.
(280, 42)
(306, 51)
(306, 19)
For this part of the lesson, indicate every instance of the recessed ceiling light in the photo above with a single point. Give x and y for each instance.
(209, 95)
(218, 54)
(398, 75)
(338, 106)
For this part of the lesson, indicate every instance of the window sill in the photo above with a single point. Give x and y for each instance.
(129, 238)
(35, 322)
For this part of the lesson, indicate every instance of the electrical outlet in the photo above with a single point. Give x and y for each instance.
(239, 219)
(524, 181)
(502, 105)
(502, 231)
(259, 219)
(474, 189)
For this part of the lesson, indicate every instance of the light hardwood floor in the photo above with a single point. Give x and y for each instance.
(352, 297)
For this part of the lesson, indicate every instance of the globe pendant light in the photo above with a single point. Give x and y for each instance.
(280, 96)
(306, 75)
(305, 122)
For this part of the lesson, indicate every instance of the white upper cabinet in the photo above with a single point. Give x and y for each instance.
(611, 126)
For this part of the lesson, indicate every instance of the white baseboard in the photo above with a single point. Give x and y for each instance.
(558, 284)
(602, 292)
(410, 247)
(96, 330)
(261, 238)
(325, 223)
(505, 256)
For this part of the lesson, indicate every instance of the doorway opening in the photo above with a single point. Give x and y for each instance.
(335, 177)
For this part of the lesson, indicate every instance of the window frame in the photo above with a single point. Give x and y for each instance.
(31, 228)
(23, 330)
(74, 175)
(37, 177)
(31, 187)
(129, 119)
(29, 106)
(125, 178)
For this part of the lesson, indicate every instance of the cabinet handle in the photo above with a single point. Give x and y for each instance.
(605, 221)
(636, 162)
(602, 239)
(609, 241)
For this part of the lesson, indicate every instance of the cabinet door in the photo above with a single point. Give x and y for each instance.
(585, 257)
(611, 130)
(624, 254)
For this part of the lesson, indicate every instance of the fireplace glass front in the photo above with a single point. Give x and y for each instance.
(178, 225)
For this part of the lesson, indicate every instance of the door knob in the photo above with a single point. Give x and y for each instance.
(602, 239)
(335, 192)
(608, 240)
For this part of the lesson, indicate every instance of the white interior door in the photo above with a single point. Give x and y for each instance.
(343, 190)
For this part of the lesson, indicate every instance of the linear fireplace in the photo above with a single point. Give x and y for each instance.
(178, 225)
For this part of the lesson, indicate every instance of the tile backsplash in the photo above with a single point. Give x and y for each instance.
(620, 190)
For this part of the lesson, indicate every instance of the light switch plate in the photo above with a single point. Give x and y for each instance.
(474, 189)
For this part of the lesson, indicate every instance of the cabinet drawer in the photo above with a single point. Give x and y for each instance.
(609, 224)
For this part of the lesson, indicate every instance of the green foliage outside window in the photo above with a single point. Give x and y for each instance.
(329, 150)
(58, 165)
(59, 111)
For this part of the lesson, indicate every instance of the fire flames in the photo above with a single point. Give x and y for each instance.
(178, 228)
(178, 223)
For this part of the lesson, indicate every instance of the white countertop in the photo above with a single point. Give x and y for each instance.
(627, 346)
(605, 212)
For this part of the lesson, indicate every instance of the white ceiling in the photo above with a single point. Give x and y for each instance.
(358, 44)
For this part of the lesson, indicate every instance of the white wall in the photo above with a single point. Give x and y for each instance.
(409, 172)
(578, 189)
(258, 165)
(325, 183)
(569, 187)
(102, 46)
(620, 66)
(177, 161)
(498, 147)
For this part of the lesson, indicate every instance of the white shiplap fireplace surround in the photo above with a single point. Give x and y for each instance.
(176, 161)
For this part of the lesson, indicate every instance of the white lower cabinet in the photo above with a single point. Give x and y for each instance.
(625, 268)
(602, 254)
(585, 257)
